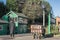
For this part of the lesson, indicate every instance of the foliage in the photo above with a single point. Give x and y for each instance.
(54, 29)
(47, 6)
(3, 9)
(33, 9)
(12, 5)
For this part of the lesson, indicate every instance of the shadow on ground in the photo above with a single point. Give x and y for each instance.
(49, 35)
(8, 37)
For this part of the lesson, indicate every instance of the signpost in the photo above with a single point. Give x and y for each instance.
(49, 24)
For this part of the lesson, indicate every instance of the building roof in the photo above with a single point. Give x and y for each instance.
(21, 15)
(15, 14)
(3, 21)
(12, 14)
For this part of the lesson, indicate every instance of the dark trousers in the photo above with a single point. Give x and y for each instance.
(12, 28)
(12, 31)
(12, 34)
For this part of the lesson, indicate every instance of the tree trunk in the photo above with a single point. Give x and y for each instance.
(33, 21)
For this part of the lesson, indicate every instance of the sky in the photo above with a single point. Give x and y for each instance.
(4, 1)
(55, 6)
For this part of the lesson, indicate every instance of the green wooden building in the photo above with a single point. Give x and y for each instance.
(3, 27)
(21, 22)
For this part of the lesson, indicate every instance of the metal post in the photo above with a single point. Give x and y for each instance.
(43, 7)
(49, 23)
(43, 18)
(43, 23)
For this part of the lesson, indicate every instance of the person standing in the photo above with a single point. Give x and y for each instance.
(11, 27)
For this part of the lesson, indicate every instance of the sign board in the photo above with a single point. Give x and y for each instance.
(36, 28)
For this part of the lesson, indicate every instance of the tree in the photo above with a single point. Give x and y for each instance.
(47, 9)
(16, 5)
(33, 9)
(3, 9)
(20, 4)
(12, 5)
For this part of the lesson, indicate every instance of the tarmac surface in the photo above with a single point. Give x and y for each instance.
(26, 37)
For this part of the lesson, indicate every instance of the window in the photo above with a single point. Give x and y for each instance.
(1, 27)
(20, 20)
(25, 20)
